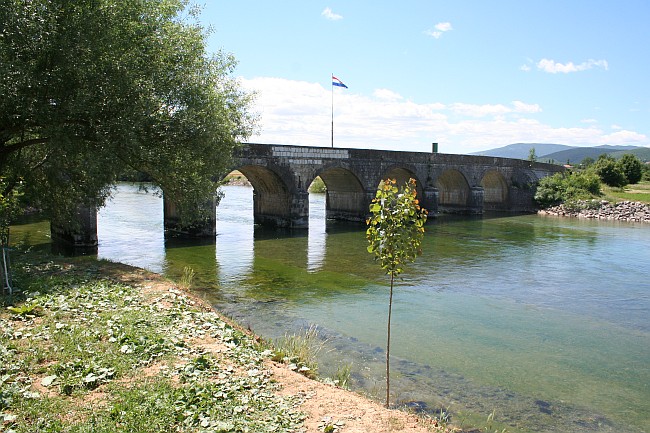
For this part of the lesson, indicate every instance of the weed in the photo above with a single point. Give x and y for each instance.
(490, 428)
(342, 376)
(299, 351)
(26, 309)
(442, 418)
(186, 279)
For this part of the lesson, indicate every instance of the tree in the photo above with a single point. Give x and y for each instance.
(645, 172)
(90, 88)
(632, 167)
(610, 173)
(587, 162)
(395, 232)
(567, 187)
(532, 156)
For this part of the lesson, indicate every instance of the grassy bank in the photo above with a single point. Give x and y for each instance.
(89, 346)
(81, 351)
(638, 192)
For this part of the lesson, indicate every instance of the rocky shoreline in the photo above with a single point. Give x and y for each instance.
(622, 211)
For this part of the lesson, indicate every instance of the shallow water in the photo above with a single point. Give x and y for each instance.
(544, 321)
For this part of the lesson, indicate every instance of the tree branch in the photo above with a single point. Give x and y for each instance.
(8, 149)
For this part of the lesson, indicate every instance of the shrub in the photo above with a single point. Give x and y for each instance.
(568, 186)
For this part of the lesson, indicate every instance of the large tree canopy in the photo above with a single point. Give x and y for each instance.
(91, 87)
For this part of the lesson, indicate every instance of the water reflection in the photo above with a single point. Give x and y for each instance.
(317, 232)
(235, 234)
(130, 228)
(525, 315)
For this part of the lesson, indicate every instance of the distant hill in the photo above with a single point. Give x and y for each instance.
(575, 155)
(643, 153)
(522, 150)
(561, 153)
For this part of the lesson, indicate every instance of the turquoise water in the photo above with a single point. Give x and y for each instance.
(543, 321)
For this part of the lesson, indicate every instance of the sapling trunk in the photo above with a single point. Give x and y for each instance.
(390, 309)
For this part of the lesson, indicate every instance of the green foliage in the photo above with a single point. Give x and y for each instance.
(609, 171)
(632, 168)
(10, 193)
(81, 106)
(318, 186)
(94, 340)
(395, 232)
(396, 227)
(646, 172)
(566, 187)
(532, 156)
(342, 376)
(587, 161)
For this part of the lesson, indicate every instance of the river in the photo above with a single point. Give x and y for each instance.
(543, 321)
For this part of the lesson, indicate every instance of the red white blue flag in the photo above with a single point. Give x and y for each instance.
(337, 82)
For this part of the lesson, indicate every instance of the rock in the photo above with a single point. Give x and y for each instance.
(621, 211)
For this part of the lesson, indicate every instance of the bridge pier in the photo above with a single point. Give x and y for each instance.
(475, 204)
(78, 236)
(202, 228)
(430, 199)
(348, 205)
(282, 209)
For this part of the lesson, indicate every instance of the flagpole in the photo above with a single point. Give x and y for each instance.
(332, 86)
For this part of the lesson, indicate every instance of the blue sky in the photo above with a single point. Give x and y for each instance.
(470, 75)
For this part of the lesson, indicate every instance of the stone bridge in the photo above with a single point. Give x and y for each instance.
(446, 183)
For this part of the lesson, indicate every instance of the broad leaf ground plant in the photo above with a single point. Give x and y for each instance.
(83, 353)
(395, 232)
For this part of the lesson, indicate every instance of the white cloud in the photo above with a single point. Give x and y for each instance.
(387, 94)
(328, 14)
(299, 113)
(522, 107)
(438, 30)
(553, 67)
(474, 110)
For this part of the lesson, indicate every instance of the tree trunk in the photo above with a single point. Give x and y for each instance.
(390, 309)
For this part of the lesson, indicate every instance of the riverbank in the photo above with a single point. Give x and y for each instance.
(121, 349)
(621, 211)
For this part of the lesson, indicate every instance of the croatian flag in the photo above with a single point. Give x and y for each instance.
(337, 82)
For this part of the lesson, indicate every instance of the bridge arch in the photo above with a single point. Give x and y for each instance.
(402, 175)
(345, 197)
(274, 198)
(454, 192)
(495, 190)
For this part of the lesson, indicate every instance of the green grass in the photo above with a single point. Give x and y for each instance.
(300, 351)
(83, 353)
(638, 192)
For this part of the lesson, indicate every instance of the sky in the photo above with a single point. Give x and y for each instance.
(470, 75)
